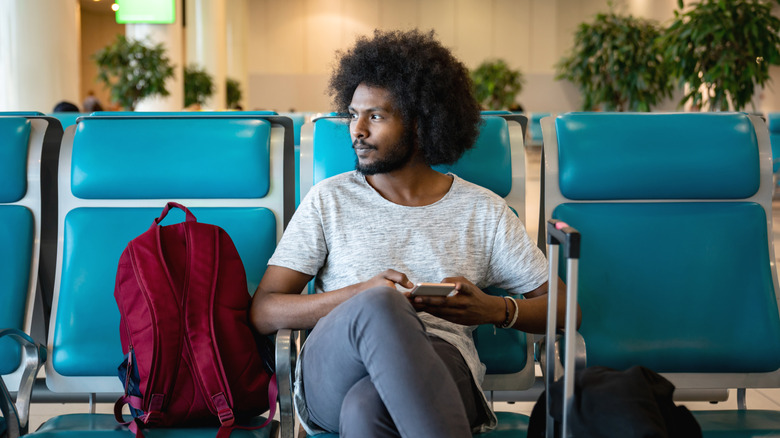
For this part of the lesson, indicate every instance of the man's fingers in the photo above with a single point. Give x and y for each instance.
(398, 277)
(431, 300)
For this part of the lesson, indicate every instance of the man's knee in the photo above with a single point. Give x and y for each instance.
(384, 308)
(381, 296)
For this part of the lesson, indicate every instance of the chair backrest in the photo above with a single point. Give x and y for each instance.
(677, 268)
(21, 148)
(21, 113)
(497, 162)
(115, 176)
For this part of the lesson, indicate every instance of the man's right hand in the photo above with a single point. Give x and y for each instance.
(278, 302)
(388, 278)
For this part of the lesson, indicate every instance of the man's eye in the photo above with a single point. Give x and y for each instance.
(376, 116)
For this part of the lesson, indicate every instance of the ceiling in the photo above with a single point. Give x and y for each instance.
(97, 6)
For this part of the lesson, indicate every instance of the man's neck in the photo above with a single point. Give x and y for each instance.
(412, 186)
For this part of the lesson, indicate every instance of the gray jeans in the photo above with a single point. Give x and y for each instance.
(370, 370)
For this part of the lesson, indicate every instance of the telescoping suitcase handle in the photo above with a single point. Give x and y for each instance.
(559, 233)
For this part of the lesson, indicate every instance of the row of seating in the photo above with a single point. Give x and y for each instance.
(112, 174)
(677, 265)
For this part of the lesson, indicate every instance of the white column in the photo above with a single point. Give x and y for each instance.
(171, 37)
(206, 44)
(39, 54)
(237, 23)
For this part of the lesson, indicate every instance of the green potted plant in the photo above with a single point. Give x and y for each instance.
(723, 50)
(617, 64)
(198, 85)
(133, 70)
(496, 85)
(233, 93)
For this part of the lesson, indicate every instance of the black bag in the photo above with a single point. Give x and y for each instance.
(635, 403)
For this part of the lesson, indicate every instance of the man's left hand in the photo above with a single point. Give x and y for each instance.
(469, 306)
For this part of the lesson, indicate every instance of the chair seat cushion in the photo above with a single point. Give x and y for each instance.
(105, 426)
(739, 424)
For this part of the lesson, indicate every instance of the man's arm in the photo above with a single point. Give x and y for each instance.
(532, 316)
(471, 306)
(278, 302)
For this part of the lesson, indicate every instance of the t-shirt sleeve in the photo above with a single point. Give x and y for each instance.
(303, 247)
(517, 264)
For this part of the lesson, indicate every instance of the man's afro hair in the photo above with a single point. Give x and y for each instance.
(431, 89)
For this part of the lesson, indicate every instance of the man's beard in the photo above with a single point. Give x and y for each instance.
(397, 156)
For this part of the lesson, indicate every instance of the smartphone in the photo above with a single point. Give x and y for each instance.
(433, 289)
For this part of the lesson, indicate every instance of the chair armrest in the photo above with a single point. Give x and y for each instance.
(286, 356)
(580, 362)
(33, 357)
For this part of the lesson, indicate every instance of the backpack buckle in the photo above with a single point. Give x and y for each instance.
(226, 417)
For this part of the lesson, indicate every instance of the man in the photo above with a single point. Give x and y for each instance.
(378, 361)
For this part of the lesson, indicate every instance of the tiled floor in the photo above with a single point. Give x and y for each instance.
(763, 398)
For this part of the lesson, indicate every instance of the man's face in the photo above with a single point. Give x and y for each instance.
(377, 131)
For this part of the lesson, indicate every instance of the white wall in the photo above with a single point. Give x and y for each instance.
(292, 43)
(289, 47)
(39, 54)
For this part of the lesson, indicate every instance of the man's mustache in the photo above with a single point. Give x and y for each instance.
(361, 143)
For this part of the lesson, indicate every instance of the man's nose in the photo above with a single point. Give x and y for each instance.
(358, 128)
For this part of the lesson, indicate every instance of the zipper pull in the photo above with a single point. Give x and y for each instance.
(129, 371)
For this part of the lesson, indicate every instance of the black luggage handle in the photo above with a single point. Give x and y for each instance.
(560, 233)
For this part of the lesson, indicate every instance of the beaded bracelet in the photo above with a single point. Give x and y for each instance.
(507, 323)
(506, 314)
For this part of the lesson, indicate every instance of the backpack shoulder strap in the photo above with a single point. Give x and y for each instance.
(202, 253)
(153, 275)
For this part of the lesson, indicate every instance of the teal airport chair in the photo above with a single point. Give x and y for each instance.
(45, 180)
(496, 162)
(21, 149)
(115, 176)
(677, 265)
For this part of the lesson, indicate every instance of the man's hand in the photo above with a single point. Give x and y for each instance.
(469, 306)
(388, 278)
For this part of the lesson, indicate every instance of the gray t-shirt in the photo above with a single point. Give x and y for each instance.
(344, 232)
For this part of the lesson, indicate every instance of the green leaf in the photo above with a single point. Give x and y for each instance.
(618, 63)
(198, 85)
(496, 85)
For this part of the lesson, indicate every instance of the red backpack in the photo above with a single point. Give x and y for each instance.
(192, 358)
